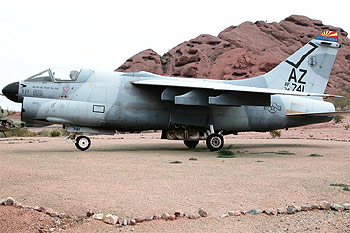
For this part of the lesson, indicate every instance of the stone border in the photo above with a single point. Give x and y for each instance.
(120, 222)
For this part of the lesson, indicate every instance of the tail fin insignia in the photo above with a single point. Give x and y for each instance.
(328, 36)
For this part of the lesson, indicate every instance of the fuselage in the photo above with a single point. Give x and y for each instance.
(111, 101)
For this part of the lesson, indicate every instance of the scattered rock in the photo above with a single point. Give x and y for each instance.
(157, 216)
(315, 206)
(223, 215)
(305, 208)
(231, 212)
(193, 216)
(111, 219)
(89, 214)
(291, 209)
(132, 222)
(149, 217)
(138, 220)
(337, 207)
(171, 217)
(202, 213)
(165, 216)
(243, 212)
(324, 205)
(9, 201)
(254, 211)
(346, 206)
(280, 211)
(179, 214)
(97, 216)
(42, 209)
(124, 222)
(270, 211)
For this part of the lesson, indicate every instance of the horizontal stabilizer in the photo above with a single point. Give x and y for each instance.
(314, 114)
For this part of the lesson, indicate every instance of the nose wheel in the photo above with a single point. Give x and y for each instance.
(82, 143)
(215, 142)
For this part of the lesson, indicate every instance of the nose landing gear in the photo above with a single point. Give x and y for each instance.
(81, 142)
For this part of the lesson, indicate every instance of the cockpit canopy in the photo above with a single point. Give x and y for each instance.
(61, 75)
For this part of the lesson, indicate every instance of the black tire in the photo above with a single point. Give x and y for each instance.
(82, 143)
(215, 142)
(191, 144)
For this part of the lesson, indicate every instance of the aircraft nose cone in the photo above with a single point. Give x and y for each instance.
(11, 91)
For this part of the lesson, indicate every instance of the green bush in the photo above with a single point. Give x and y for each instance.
(192, 159)
(316, 155)
(338, 118)
(343, 103)
(275, 133)
(175, 162)
(223, 153)
(55, 133)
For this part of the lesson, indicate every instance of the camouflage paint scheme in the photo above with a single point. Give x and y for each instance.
(188, 109)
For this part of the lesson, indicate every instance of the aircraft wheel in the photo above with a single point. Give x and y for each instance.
(215, 142)
(83, 143)
(191, 144)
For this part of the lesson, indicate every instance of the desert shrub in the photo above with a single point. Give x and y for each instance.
(347, 126)
(175, 162)
(316, 155)
(338, 118)
(345, 187)
(275, 133)
(193, 159)
(284, 152)
(223, 153)
(343, 103)
(43, 133)
(20, 132)
(55, 133)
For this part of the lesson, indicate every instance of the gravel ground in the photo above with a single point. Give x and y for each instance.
(131, 176)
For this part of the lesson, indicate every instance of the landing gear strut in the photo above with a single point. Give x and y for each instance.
(82, 143)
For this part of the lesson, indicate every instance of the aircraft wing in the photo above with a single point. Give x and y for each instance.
(207, 92)
(202, 84)
(313, 114)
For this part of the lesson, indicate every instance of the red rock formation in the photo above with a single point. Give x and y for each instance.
(243, 51)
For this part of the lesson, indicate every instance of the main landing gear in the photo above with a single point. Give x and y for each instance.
(81, 142)
(214, 140)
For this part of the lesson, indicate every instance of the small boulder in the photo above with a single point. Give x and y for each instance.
(179, 214)
(138, 220)
(124, 222)
(111, 219)
(202, 213)
(337, 207)
(254, 211)
(132, 222)
(346, 206)
(97, 216)
(231, 212)
(315, 207)
(305, 208)
(270, 211)
(165, 216)
(149, 217)
(171, 217)
(10, 201)
(42, 209)
(243, 212)
(291, 209)
(280, 211)
(324, 205)
(157, 216)
(223, 215)
(89, 214)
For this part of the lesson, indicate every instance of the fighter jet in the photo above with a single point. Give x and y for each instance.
(87, 101)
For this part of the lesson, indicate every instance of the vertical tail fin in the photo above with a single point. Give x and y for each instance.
(308, 69)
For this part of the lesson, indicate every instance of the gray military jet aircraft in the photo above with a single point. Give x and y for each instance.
(86, 101)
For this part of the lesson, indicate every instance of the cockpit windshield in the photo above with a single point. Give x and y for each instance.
(65, 74)
(44, 76)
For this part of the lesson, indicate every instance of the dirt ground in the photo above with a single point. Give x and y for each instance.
(131, 175)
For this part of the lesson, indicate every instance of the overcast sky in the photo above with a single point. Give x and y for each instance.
(37, 34)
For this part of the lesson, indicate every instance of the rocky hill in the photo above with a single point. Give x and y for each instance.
(244, 51)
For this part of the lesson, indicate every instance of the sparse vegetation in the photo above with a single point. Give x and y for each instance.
(259, 161)
(345, 187)
(275, 133)
(316, 155)
(341, 104)
(347, 126)
(338, 118)
(55, 133)
(193, 159)
(175, 162)
(284, 152)
(25, 132)
(223, 153)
